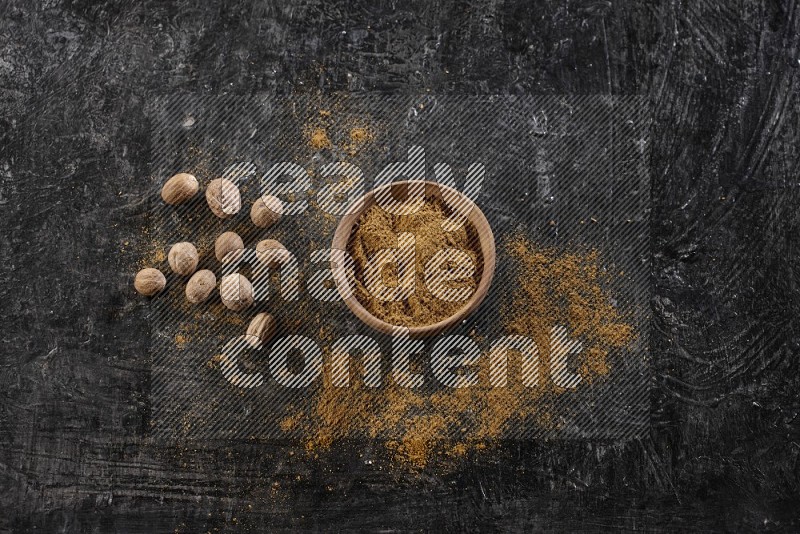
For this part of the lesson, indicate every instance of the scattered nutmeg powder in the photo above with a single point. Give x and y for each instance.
(360, 135)
(565, 288)
(547, 288)
(318, 138)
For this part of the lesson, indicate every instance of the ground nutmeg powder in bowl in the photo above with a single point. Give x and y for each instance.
(377, 229)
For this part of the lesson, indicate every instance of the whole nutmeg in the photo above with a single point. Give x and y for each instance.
(266, 211)
(262, 326)
(200, 286)
(149, 281)
(236, 292)
(183, 258)
(223, 198)
(228, 247)
(272, 253)
(179, 188)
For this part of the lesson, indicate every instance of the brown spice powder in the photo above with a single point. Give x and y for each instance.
(358, 137)
(549, 288)
(378, 229)
(318, 138)
(565, 289)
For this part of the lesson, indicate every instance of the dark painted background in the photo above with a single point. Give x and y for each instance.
(74, 146)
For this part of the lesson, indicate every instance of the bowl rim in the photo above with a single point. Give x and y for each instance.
(476, 217)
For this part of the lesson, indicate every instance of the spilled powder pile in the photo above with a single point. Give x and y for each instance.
(418, 427)
(378, 229)
(358, 137)
(564, 289)
(318, 138)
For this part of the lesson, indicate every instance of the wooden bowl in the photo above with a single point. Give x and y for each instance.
(399, 191)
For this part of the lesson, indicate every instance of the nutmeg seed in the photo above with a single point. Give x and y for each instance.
(236, 292)
(200, 286)
(183, 258)
(271, 253)
(262, 326)
(223, 198)
(228, 247)
(266, 211)
(149, 281)
(179, 188)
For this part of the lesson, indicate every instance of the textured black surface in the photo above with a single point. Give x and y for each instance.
(722, 81)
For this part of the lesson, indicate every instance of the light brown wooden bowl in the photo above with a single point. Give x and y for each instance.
(399, 189)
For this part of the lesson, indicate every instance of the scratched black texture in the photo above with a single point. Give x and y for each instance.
(721, 78)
